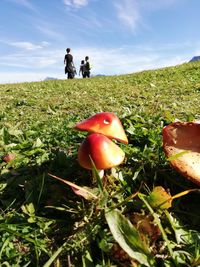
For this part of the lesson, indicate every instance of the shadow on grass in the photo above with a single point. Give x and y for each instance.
(56, 208)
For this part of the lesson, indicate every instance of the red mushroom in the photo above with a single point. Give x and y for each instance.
(106, 123)
(104, 153)
(181, 141)
(9, 157)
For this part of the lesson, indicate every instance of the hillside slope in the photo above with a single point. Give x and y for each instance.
(46, 221)
(174, 89)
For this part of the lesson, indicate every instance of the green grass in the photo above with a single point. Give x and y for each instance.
(42, 221)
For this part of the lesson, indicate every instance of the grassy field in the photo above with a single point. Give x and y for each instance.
(44, 223)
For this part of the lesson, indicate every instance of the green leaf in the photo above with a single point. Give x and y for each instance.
(2, 186)
(15, 132)
(30, 208)
(159, 198)
(24, 209)
(87, 259)
(51, 110)
(5, 135)
(128, 237)
(37, 143)
(183, 235)
(31, 219)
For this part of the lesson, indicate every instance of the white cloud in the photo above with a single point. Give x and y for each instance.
(132, 13)
(28, 45)
(24, 3)
(16, 77)
(21, 61)
(128, 13)
(47, 28)
(133, 58)
(47, 59)
(75, 3)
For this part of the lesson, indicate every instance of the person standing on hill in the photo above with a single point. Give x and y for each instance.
(87, 68)
(82, 69)
(69, 64)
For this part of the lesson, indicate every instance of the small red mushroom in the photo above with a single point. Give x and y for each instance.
(104, 153)
(9, 157)
(181, 142)
(106, 123)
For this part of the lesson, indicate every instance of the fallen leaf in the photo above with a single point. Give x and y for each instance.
(78, 190)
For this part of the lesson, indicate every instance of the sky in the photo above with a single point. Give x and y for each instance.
(119, 36)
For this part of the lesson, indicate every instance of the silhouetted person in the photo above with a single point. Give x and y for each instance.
(69, 64)
(82, 68)
(87, 68)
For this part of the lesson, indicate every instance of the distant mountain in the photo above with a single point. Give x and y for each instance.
(50, 78)
(195, 59)
(98, 75)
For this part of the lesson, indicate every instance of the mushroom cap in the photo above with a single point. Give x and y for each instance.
(106, 123)
(183, 139)
(104, 153)
(9, 157)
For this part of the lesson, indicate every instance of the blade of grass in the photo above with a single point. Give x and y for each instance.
(176, 156)
(41, 189)
(96, 176)
(185, 193)
(55, 255)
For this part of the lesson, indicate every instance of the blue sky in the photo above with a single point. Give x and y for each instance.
(119, 36)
